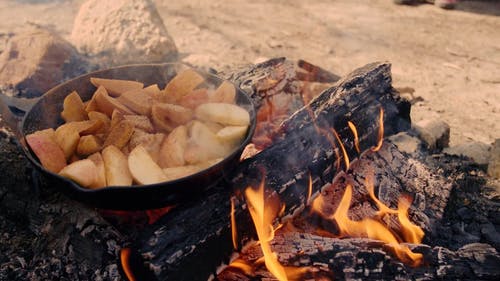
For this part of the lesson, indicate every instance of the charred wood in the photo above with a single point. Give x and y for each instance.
(365, 259)
(189, 243)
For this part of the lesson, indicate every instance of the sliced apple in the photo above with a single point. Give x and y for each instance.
(225, 93)
(142, 167)
(116, 167)
(152, 142)
(83, 172)
(153, 91)
(140, 122)
(203, 145)
(224, 113)
(167, 116)
(88, 145)
(107, 104)
(50, 133)
(49, 153)
(106, 122)
(86, 127)
(73, 108)
(172, 148)
(91, 105)
(232, 135)
(174, 173)
(116, 87)
(194, 98)
(120, 134)
(67, 137)
(101, 171)
(116, 117)
(137, 100)
(182, 84)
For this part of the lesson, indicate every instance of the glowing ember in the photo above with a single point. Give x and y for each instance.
(380, 131)
(155, 214)
(355, 134)
(309, 190)
(125, 261)
(263, 215)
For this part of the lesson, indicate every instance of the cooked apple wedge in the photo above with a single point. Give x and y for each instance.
(194, 99)
(49, 153)
(232, 135)
(107, 104)
(151, 142)
(116, 87)
(88, 145)
(106, 122)
(168, 116)
(225, 93)
(172, 148)
(182, 84)
(142, 167)
(140, 122)
(116, 167)
(86, 127)
(153, 91)
(101, 171)
(73, 108)
(120, 134)
(224, 113)
(137, 100)
(67, 137)
(203, 145)
(83, 172)
(174, 173)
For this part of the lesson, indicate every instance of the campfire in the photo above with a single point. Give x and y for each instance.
(321, 193)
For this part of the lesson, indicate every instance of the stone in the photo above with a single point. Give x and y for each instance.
(478, 152)
(36, 60)
(494, 163)
(122, 32)
(405, 142)
(434, 133)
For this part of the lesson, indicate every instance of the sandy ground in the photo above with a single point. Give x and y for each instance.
(450, 58)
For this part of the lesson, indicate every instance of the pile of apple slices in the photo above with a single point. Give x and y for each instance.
(130, 134)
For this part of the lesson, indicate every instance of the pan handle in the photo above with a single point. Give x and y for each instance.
(12, 111)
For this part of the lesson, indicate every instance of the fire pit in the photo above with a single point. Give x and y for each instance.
(331, 176)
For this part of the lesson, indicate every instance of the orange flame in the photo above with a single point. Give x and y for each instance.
(344, 152)
(355, 134)
(263, 216)
(371, 228)
(242, 265)
(234, 231)
(125, 261)
(411, 232)
(380, 131)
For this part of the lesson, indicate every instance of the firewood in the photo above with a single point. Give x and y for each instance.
(365, 259)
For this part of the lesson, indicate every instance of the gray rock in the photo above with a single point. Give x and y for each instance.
(434, 133)
(494, 164)
(405, 142)
(477, 151)
(122, 32)
(36, 60)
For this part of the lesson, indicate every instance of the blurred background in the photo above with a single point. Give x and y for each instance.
(447, 62)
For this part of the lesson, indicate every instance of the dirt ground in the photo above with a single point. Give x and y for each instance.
(450, 58)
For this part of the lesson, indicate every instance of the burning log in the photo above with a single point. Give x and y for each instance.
(325, 258)
(190, 242)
